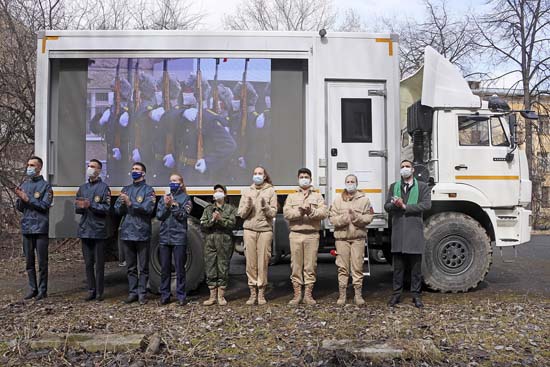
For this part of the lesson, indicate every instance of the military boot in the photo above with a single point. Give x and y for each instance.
(308, 297)
(261, 296)
(210, 301)
(358, 297)
(342, 294)
(253, 295)
(297, 294)
(221, 299)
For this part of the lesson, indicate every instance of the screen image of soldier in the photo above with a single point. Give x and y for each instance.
(93, 203)
(34, 199)
(217, 222)
(136, 204)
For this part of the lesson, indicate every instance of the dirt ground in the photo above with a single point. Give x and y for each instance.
(505, 322)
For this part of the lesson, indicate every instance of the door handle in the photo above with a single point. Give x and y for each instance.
(461, 166)
(334, 152)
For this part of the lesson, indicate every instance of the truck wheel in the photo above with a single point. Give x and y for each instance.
(458, 253)
(194, 267)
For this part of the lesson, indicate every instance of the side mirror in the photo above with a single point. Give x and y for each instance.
(512, 123)
(530, 115)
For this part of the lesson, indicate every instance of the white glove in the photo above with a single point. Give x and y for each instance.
(201, 165)
(157, 113)
(169, 161)
(260, 121)
(191, 114)
(242, 162)
(227, 129)
(105, 117)
(136, 157)
(123, 121)
(116, 154)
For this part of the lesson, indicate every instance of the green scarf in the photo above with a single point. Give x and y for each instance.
(413, 193)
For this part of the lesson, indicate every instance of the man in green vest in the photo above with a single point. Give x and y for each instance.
(406, 202)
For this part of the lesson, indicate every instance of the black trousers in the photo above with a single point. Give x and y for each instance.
(137, 257)
(92, 250)
(180, 257)
(38, 243)
(401, 263)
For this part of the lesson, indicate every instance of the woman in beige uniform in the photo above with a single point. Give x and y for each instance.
(350, 213)
(258, 207)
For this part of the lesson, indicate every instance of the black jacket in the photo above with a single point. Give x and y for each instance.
(136, 224)
(93, 223)
(173, 229)
(35, 218)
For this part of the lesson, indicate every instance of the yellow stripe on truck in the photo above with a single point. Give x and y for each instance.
(495, 178)
(47, 38)
(389, 42)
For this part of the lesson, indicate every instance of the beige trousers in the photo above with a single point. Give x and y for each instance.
(257, 252)
(303, 257)
(350, 258)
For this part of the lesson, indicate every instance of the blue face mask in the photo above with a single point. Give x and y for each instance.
(136, 175)
(174, 186)
(30, 171)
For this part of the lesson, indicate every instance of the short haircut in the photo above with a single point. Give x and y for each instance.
(406, 160)
(352, 175)
(220, 186)
(304, 170)
(35, 157)
(97, 161)
(141, 165)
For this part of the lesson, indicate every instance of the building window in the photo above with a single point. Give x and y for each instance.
(473, 132)
(356, 120)
(545, 197)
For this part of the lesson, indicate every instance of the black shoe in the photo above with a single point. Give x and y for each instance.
(30, 295)
(99, 298)
(131, 299)
(417, 302)
(142, 301)
(41, 296)
(183, 302)
(393, 301)
(165, 301)
(91, 296)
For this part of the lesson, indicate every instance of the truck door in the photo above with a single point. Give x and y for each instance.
(479, 159)
(356, 139)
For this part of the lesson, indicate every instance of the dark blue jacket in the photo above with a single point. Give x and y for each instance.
(136, 221)
(93, 223)
(173, 229)
(35, 212)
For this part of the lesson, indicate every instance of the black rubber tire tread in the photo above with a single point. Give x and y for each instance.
(195, 257)
(444, 224)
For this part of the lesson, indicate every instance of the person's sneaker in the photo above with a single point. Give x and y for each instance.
(131, 299)
(122, 264)
(417, 302)
(90, 297)
(394, 300)
(41, 296)
(30, 295)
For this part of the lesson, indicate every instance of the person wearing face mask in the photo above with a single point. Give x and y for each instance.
(407, 200)
(93, 203)
(173, 210)
(350, 213)
(34, 199)
(217, 222)
(304, 210)
(258, 207)
(136, 205)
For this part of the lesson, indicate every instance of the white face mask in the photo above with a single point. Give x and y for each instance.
(406, 172)
(189, 99)
(258, 179)
(91, 172)
(218, 195)
(351, 188)
(236, 104)
(304, 182)
(267, 102)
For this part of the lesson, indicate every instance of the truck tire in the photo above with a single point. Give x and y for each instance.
(458, 253)
(194, 267)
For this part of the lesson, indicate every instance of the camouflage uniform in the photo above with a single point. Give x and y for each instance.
(219, 246)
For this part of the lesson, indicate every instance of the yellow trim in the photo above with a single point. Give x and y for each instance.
(487, 177)
(48, 38)
(367, 191)
(389, 42)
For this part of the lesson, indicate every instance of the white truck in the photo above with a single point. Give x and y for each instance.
(327, 101)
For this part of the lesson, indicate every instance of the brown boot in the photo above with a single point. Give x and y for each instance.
(261, 296)
(221, 299)
(253, 295)
(308, 298)
(210, 301)
(342, 294)
(358, 297)
(297, 294)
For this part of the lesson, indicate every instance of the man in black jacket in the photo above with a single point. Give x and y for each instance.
(93, 202)
(407, 200)
(34, 199)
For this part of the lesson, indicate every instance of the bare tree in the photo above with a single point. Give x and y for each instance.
(454, 38)
(166, 14)
(352, 22)
(282, 15)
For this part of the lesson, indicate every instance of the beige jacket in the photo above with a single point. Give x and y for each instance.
(258, 218)
(344, 227)
(304, 198)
